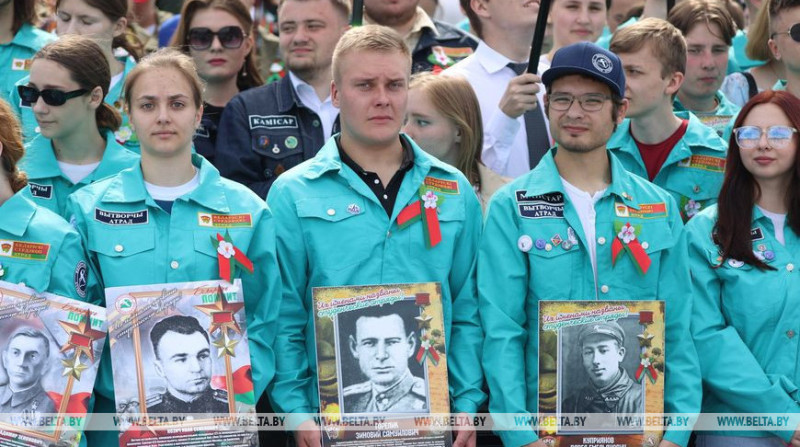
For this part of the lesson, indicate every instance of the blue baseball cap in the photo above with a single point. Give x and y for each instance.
(587, 59)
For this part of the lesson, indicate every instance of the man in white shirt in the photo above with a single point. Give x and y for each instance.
(515, 128)
(265, 131)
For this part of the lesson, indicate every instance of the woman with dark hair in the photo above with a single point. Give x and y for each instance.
(26, 228)
(744, 256)
(170, 190)
(19, 41)
(68, 82)
(218, 35)
(105, 22)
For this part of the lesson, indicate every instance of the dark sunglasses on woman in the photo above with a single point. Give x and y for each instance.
(229, 37)
(51, 97)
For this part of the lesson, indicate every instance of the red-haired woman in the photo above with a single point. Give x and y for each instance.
(745, 262)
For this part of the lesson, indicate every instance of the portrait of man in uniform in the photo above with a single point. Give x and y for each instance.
(26, 359)
(183, 359)
(383, 340)
(609, 387)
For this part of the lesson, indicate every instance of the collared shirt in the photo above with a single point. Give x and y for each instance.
(60, 266)
(333, 231)
(124, 135)
(524, 238)
(132, 241)
(505, 141)
(407, 395)
(693, 171)
(748, 348)
(584, 205)
(15, 56)
(386, 194)
(719, 118)
(326, 111)
(49, 186)
(421, 22)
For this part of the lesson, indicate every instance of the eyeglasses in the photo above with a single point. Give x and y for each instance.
(229, 37)
(749, 137)
(794, 33)
(590, 102)
(51, 97)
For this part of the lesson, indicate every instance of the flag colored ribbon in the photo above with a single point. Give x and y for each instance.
(229, 257)
(423, 209)
(242, 385)
(626, 241)
(646, 368)
(427, 350)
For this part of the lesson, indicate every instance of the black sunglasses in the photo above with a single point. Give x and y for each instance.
(50, 96)
(794, 33)
(202, 38)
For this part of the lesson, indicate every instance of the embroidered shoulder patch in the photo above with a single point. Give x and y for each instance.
(441, 185)
(540, 206)
(704, 162)
(224, 220)
(24, 250)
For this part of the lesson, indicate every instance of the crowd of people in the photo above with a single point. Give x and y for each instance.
(674, 127)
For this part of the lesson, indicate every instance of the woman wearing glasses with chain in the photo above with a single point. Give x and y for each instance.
(218, 35)
(66, 89)
(745, 260)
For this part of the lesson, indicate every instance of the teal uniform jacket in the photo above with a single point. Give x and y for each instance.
(333, 231)
(738, 60)
(41, 250)
(746, 322)
(125, 135)
(512, 281)
(719, 119)
(49, 187)
(152, 247)
(15, 56)
(692, 172)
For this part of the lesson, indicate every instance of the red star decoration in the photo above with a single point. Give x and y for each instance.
(222, 313)
(81, 336)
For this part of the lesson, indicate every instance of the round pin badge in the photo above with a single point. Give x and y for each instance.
(291, 142)
(566, 245)
(735, 263)
(769, 255)
(525, 243)
(540, 243)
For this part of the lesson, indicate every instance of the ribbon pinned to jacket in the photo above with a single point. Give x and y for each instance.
(424, 209)
(626, 240)
(230, 257)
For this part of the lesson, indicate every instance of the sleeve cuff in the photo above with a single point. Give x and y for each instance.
(517, 438)
(465, 406)
(297, 417)
(678, 436)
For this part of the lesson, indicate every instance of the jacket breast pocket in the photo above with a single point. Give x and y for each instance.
(279, 151)
(451, 223)
(336, 231)
(656, 240)
(694, 183)
(124, 254)
(552, 267)
(205, 263)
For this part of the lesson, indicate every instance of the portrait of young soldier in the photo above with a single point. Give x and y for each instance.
(608, 388)
(382, 340)
(183, 359)
(26, 359)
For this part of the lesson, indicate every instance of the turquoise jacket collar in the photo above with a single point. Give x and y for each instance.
(40, 159)
(22, 209)
(128, 187)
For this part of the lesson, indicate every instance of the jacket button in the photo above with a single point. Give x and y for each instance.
(174, 265)
(315, 123)
(790, 333)
(604, 288)
(118, 248)
(268, 173)
(789, 267)
(645, 245)
(331, 211)
(601, 240)
(276, 149)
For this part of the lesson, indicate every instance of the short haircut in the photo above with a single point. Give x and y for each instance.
(167, 58)
(690, 13)
(666, 43)
(348, 320)
(778, 6)
(31, 333)
(373, 38)
(343, 7)
(176, 323)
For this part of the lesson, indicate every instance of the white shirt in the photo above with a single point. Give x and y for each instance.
(325, 110)
(76, 173)
(170, 193)
(505, 142)
(584, 205)
(778, 223)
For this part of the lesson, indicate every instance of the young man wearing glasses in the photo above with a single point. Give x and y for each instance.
(784, 42)
(549, 236)
(265, 131)
(674, 150)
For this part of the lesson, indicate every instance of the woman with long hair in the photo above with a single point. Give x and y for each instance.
(168, 192)
(105, 22)
(66, 89)
(63, 270)
(19, 41)
(744, 255)
(218, 35)
(444, 119)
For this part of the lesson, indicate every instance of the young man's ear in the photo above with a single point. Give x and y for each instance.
(351, 342)
(411, 339)
(159, 369)
(675, 82)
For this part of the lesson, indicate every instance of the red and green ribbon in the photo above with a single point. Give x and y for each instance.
(242, 385)
(646, 368)
(426, 350)
(230, 257)
(424, 209)
(626, 240)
